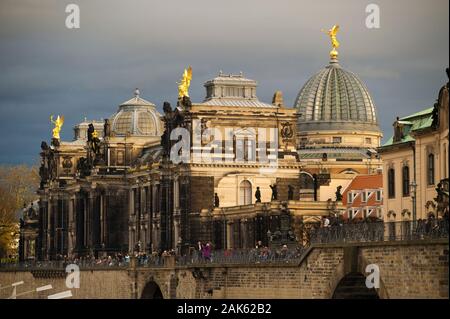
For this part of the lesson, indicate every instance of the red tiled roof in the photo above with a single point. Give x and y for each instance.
(361, 183)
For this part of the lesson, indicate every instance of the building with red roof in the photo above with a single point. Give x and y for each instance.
(363, 197)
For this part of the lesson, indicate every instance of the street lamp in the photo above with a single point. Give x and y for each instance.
(413, 188)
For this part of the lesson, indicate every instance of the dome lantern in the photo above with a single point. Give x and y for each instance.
(136, 117)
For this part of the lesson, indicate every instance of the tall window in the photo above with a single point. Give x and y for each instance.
(378, 197)
(245, 193)
(405, 181)
(391, 183)
(244, 145)
(430, 169)
(249, 150)
(363, 196)
(350, 197)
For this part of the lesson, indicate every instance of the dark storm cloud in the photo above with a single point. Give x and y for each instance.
(48, 69)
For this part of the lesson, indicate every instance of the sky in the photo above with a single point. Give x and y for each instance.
(46, 68)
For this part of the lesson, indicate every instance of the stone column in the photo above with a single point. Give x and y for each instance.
(47, 228)
(103, 223)
(85, 223)
(243, 235)
(154, 237)
(138, 215)
(130, 220)
(89, 224)
(70, 230)
(42, 241)
(150, 218)
(176, 193)
(131, 203)
(52, 226)
(229, 243)
(177, 232)
(131, 239)
(144, 240)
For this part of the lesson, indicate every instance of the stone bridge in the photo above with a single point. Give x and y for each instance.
(408, 269)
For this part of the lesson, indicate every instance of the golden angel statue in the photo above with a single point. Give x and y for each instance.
(58, 124)
(334, 42)
(183, 86)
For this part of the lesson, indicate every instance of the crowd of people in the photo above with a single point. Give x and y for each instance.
(115, 260)
(259, 253)
(333, 228)
(263, 253)
(432, 225)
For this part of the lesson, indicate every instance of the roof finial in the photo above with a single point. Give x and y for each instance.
(136, 92)
(334, 42)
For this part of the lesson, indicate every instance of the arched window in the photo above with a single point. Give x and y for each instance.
(430, 169)
(405, 181)
(245, 193)
(391, 183)
(306, 181)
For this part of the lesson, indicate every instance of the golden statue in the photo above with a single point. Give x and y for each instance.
(58, 124)
(183, 86)
(334, 42)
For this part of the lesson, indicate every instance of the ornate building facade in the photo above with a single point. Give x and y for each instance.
(245, 169)
(415, 164)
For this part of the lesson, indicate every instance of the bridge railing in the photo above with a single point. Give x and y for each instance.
(379, 231)
(60, 264)
(149, 261)
(338, 233)
(244, 256)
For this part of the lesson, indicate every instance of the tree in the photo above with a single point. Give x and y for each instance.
(18, 186)
(7, 220)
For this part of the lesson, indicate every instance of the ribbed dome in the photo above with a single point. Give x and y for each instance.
(335, 99)
(137, 117)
